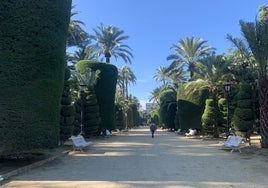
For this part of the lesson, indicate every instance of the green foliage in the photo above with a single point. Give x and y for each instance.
(119, 117)
(154, 116)
(190, 107)
(33, 41)
(129, 118)
(135, 114)
(77, 117)
(92, 113)
(243, 118)
(168, 108)
(222, 105)
(67, 109)
(208, 117)
(104, 89)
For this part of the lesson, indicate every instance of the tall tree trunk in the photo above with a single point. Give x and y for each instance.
(107, 56)
(126, 89)
(263, 100)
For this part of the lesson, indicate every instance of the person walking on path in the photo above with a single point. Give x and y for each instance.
(152, 129)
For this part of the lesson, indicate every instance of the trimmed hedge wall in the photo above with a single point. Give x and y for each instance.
(105, 90)
(33, 45)
(168, 109)
(119, 117)
(190, 108)
(135, 114)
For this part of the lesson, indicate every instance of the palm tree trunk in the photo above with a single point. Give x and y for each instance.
(263, 100)
(107, 56)
(126, 89)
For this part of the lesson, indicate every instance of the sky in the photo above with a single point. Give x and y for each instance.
(153, 26)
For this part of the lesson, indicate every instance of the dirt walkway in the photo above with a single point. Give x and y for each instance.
(134, 159)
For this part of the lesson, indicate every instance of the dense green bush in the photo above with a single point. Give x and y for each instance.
(154, 116)
(119, 117)
(67, 109)
(135, 114)
(208, 117)
(77, 116)
(104, 89)
(222, 105)
(243, 118)
(190, 108)
(168, 109)
(129, 118)
(92, 113)
(33, 45)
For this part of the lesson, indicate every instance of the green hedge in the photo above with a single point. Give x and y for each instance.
(154, 116)
(168, 108)
(105, 90)
(33, 45)
(243, 118)
(190, 108)
(119, 117)
(208, 117)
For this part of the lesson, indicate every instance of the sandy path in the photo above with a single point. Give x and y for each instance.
(134, 159)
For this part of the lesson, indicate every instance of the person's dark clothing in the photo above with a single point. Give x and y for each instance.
(152, 129)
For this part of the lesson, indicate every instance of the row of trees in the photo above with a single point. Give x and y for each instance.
(195, 67)
(40, 101)
(106, 42)
(30, 120)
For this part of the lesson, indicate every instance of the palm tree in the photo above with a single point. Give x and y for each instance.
(109, 43)
(243, 62)
(161, 75)
(187, 52)
(178, 76)
(155, 94)
(125, 77)
(76, 34)
(256, 34)
(263, 12)
(83, 52)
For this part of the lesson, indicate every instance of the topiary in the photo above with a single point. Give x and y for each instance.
(67, 109)
(243, 118)
(33, 46)
(105, 90)
(208, 117)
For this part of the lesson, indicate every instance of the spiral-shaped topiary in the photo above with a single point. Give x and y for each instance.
(243, 118)
(92, 113)
(104, 89)
(67, 109)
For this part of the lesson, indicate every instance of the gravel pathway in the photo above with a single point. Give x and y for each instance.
(135, 160)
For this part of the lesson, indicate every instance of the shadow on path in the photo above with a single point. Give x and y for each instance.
(134, 159)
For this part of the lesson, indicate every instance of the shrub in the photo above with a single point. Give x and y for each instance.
(104, 89)
(33, 46)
